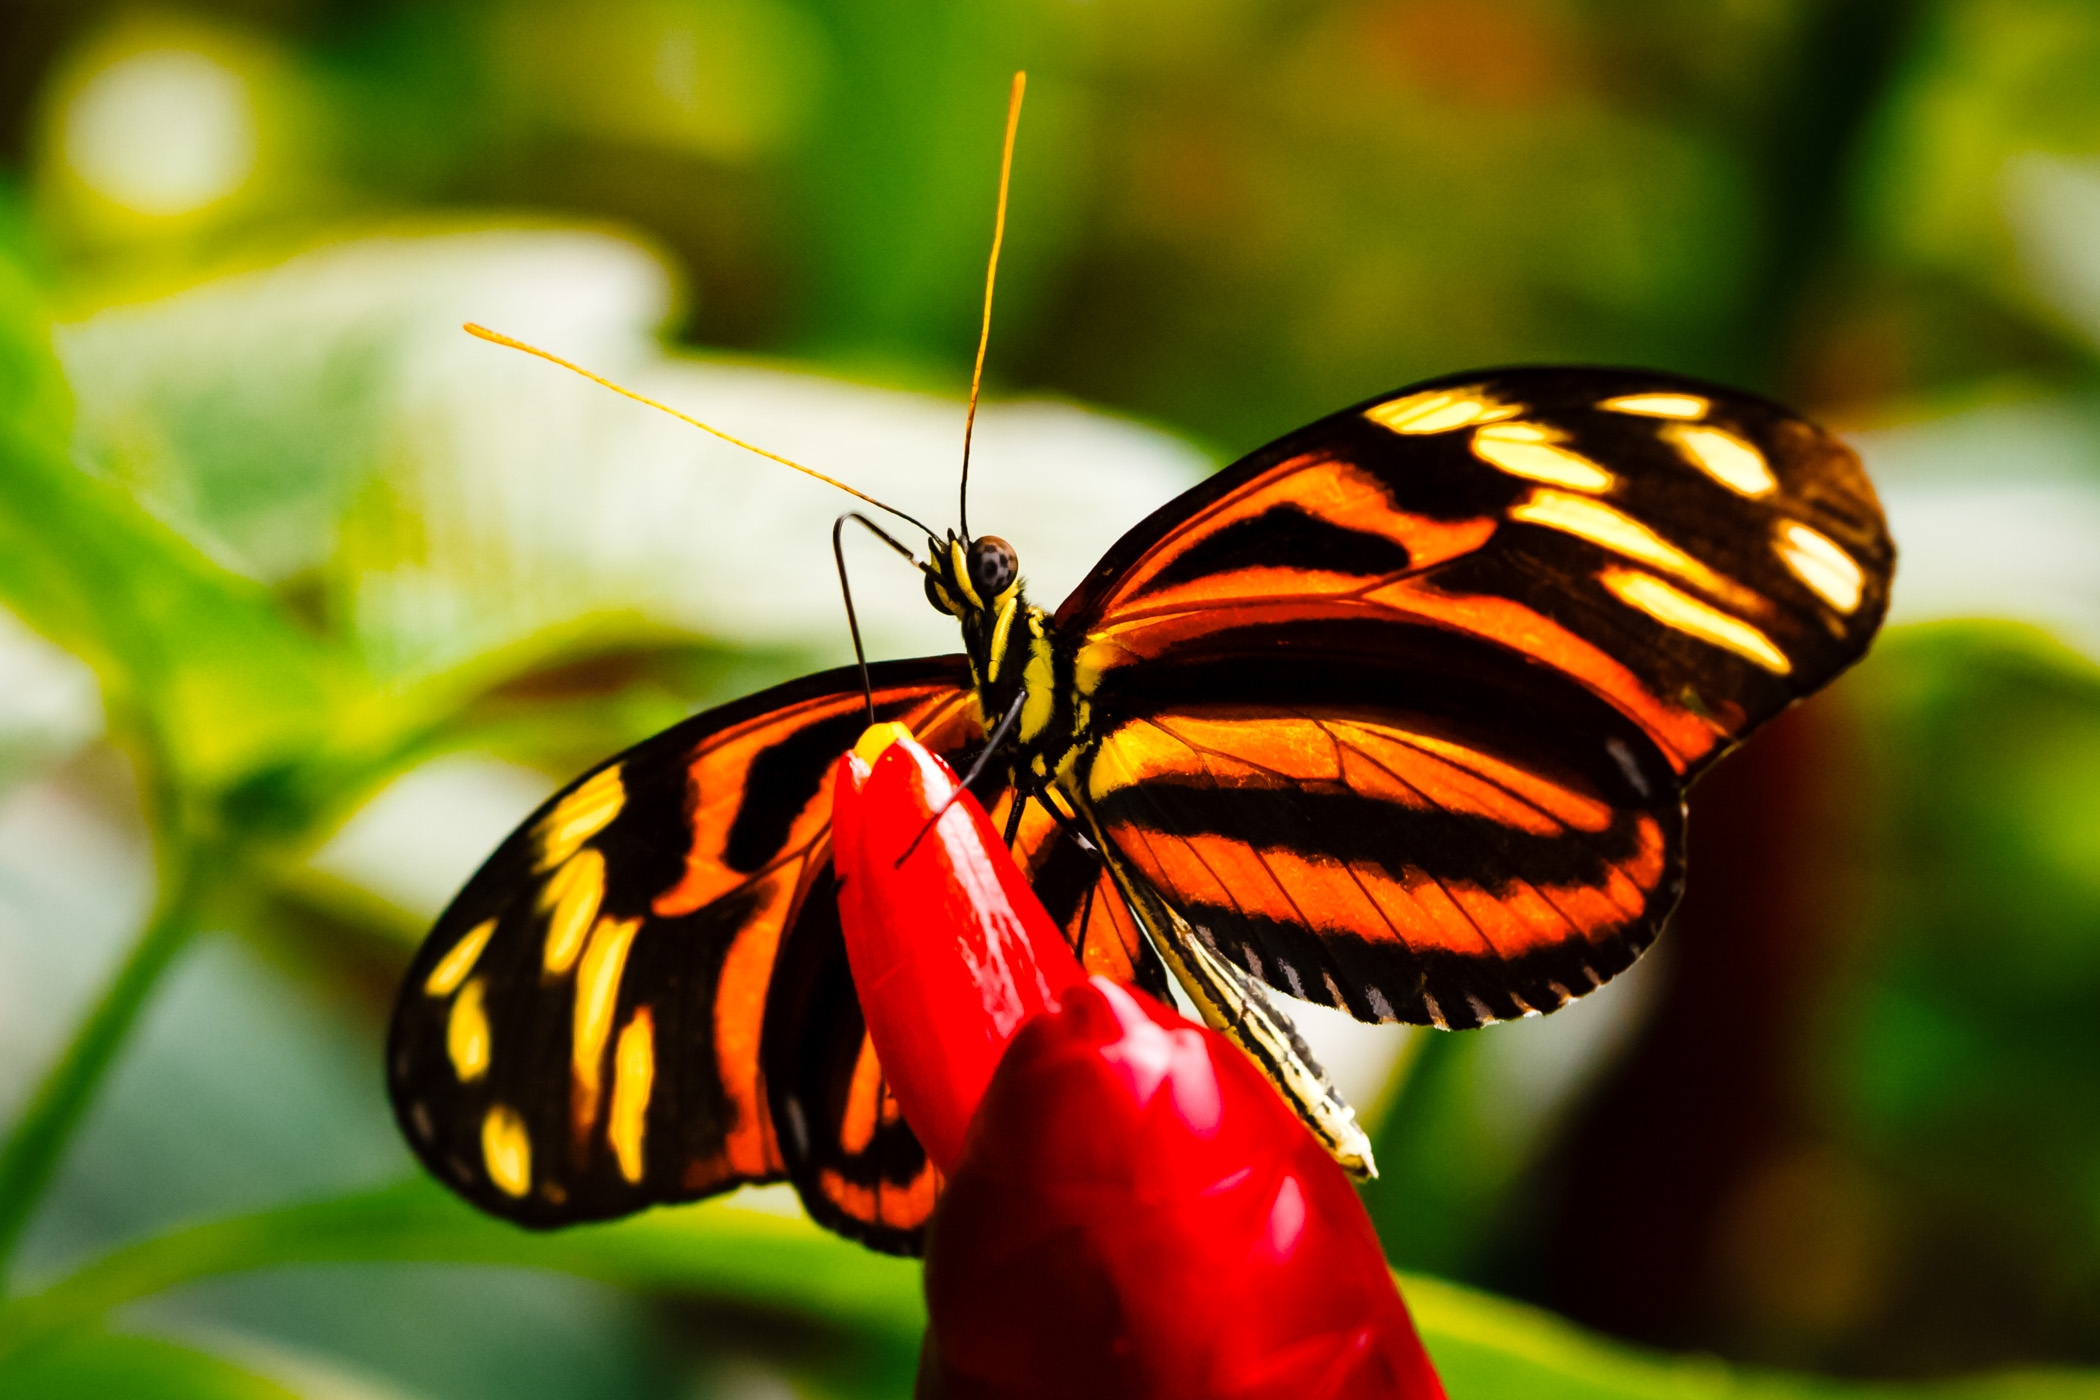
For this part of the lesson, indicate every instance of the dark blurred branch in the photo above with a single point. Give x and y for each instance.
(1846, 55)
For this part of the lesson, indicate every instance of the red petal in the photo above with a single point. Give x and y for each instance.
(951, 952)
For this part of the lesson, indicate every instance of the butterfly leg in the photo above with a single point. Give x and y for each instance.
(1013, 713)
(1013, 818)
(1241, 1008)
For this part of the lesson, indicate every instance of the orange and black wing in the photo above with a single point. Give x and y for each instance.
(644, 997)
(581, 1035)
(1399, 711)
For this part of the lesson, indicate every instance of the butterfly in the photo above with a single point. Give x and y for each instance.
(1396, 714)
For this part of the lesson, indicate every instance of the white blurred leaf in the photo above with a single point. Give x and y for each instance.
(329, 411)
(1995, 513)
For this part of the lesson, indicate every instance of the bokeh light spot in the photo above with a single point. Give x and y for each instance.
(163, 131)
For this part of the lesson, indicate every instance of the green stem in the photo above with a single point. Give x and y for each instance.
(38, 1140)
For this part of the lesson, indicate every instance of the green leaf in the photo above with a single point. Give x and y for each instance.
(227, 684)
(93, 1363)
(1487, 1347)
(1484, 1346)
(223, 680)
(711, 1250)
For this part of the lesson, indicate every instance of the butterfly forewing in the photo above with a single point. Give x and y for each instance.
(580, 1036)
(1697, 557)
(1399, 710)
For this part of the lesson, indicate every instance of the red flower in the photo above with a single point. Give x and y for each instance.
(1132, 1211)
(952, 951)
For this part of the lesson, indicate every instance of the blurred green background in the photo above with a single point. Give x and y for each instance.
(305, 598)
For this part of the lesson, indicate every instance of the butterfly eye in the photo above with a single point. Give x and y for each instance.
(993, 565)
(938, 596)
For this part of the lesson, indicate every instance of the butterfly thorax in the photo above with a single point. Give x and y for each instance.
(1016, 655)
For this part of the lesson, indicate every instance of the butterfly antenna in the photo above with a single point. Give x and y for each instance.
(498, 338)
(838, 552)
(991, 275)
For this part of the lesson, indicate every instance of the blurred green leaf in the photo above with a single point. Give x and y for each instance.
(93, 1363)
(1485, 1346)
(225, 682)
(33, 392)
(1444, 1171)
(1490, 1347)
(712, 1251)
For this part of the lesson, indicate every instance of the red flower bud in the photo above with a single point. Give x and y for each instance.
(1137, 1214)
(951, 951)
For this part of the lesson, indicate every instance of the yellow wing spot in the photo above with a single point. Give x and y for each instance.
(1441, 411)
(572, 895)
(634, 1073)
(1659, 405)
(1533, 452)
(876, 739)
(452, 969)
(1818, 562)
(467, 1033)
(1724, 457)
(580, 816)
(506, 1150)
(597, 989)
(1687, 614)
(1622, 534)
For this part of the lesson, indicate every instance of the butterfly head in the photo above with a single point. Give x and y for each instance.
(972, 579)
(978, 582)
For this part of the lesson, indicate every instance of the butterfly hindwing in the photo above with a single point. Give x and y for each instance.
(580, 1036)
(1068, 875)
(1378, 862)
(854, 1160)
(1399, 711)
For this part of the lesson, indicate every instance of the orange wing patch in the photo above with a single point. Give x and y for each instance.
(1390, 869)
